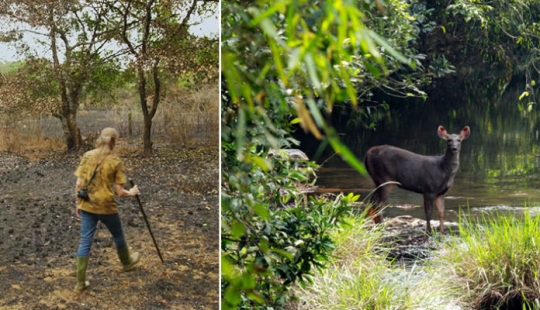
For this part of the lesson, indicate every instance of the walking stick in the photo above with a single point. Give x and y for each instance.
(147, 223)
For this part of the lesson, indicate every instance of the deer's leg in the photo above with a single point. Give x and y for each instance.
(379, 198)
(428, 209)
(374, 209)
(439, 203)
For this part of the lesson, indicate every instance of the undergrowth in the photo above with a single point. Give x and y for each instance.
(493, 264)
(359, 276)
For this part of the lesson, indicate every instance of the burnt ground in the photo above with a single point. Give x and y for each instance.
(39, 234)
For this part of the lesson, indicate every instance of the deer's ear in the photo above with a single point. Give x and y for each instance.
(442, 133)
(465, 132)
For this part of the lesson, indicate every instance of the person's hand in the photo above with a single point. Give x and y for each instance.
(134, 190)
(78, 212)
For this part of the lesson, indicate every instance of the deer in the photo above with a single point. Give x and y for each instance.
(431, 176)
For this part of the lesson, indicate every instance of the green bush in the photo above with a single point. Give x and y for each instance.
(272, 237)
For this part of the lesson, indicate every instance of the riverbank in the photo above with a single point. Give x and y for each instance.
(397, 266)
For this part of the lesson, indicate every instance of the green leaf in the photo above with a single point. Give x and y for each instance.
(263, 245)
(315, 113)
(344, 152)
(255, 297)
(312, 71)
(283, 253)
(294, 59)
(263, 163)
(248, 281)
(295, 120)
(238, 229)
(349, 87)
(382, 42)
(276, 52)
(232, 296)
(262, 211)
(241, 134)
(372, 69)
(524, 94)
(226, 266)
(278, 6)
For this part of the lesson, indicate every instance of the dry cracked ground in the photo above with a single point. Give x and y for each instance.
(39, 234)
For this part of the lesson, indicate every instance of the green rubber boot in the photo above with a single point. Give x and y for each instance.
(128, 261)
(82, 284)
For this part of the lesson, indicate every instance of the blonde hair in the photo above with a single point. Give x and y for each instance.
(106, 142)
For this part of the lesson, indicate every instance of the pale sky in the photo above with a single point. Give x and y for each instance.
(208, 27)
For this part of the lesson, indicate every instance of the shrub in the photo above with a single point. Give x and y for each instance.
(271, 237)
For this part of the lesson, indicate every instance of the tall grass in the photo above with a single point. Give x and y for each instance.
(185, 119)
(494, 264)
(359, 277)
(20, 134)
(193, 117)
(188, 120)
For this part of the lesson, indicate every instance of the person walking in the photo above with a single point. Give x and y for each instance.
(99, 172)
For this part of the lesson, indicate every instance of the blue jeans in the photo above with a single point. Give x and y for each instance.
(89, 223)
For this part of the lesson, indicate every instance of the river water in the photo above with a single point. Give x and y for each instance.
(499, 163)
(469, 196)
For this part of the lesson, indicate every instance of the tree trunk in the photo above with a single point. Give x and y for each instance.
(130, 124)
(70, 91)
(70, 105)
(72, 133)
(147, 135)
(149, 112)
(147, 117)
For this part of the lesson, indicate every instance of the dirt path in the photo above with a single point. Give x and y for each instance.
(39, 234)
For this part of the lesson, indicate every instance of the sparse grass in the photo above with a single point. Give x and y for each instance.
(493, 265)
(359, 277)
